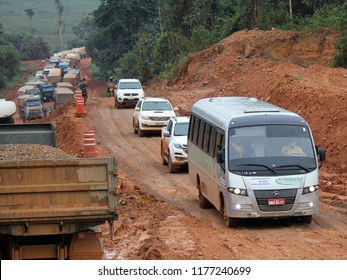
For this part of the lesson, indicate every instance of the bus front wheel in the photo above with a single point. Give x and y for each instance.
(229, 222)
(307, 219)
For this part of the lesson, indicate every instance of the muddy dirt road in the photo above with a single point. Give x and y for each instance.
(160, 217)
(159, 213)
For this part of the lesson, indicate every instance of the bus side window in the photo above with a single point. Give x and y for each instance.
(191, 128)
(206, 144)
(196, 130)
(201, 134)
(213, 139)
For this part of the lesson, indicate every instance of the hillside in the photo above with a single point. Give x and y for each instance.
(289, 69)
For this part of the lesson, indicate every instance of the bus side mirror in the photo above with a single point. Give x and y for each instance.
(321, 153)
(220, 156)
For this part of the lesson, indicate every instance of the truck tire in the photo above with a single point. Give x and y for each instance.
(162, 152)
(134, 127)
(172, 168)
(140, 132)
(119, 106)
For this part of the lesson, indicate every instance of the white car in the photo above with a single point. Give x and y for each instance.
(174, 143)
(39, 74)
(128, 91)
(151, 114)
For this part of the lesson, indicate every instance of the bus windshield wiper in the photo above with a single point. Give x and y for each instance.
(293, 165)
(254, 164)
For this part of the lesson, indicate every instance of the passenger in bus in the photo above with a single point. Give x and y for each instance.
(240, 148)
(292, 149)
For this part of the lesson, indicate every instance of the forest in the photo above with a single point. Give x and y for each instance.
(147, 39)
(155, 38)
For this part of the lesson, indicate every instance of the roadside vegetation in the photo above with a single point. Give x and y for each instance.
(158, 36)
(147, 39)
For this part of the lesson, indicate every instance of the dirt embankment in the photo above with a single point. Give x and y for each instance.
(289, 69)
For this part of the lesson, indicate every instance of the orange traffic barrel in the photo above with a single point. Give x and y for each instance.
(78, 94)
(89, 144)
(80, 110)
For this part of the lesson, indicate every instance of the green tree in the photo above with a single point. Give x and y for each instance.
(30, 14)
(147, 38)
(118, 23)
(82, 31)
(9, 61)
(29, 46)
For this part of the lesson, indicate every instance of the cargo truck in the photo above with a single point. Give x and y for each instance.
(55, 75)
(52, 208)
(62, 96)
(47, 92)
(33, 108)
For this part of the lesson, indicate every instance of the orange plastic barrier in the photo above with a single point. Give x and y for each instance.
(89, 144)
(80, 109)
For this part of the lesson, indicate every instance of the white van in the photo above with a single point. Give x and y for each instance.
(128, 91)
(242, 162)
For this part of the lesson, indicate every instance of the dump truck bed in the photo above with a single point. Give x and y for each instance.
(43, 197)
(43, 133)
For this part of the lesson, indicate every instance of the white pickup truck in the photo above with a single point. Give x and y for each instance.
(174, 143)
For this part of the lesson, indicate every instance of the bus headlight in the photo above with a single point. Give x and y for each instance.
(310, 189)
(237, 191)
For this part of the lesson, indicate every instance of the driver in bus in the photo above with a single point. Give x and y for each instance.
(292, 149)
(238, 149)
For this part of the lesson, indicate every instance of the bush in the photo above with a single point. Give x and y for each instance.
(341, 52)
(2, 81)
(201, 38)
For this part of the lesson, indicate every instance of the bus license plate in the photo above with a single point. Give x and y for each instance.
(277, 201)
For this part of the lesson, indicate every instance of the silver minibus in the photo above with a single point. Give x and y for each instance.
(251, 159)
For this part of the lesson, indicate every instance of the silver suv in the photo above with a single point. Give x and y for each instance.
(151, 114)
(174, 143)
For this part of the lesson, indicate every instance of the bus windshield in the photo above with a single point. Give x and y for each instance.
(270, 149)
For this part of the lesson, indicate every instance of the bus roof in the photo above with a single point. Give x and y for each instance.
(243, 110)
